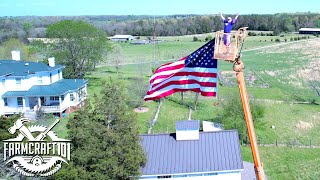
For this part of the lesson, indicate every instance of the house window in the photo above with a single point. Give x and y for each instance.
(62, 97)
(59, 74)
(40, 80)
(71, 97)
(164, 177)
(3, 82)
(19, 101)
(18, 81)
(5, 101)
(54, 98)
(50, 78)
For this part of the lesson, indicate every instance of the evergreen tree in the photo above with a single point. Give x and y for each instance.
(105, 139)
(7, 172)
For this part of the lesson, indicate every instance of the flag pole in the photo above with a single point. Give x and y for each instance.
(238, 68)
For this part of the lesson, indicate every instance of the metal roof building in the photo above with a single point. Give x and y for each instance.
(309, 31)
(215, 155)
(122, 38)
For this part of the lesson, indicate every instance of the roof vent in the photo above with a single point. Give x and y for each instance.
(187, 130)
(212, 126)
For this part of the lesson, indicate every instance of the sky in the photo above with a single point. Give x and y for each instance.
(152, 7)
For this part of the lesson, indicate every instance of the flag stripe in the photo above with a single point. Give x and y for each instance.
(180, 61)
(184, 72)
(169, 68)
(160, 78)
(183, 83)
(205, 77)
(168, 93)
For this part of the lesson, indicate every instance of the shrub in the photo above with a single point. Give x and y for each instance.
(277, 40)
(209, 38)
(276, 32)
(252, 34)
(195, 38)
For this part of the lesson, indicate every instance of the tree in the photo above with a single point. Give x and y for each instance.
(13, 44)
(7, 172)
(311, 75)
(116, 56)
(27, 28)
(105, 139)
(77, 45)
(195, 38)
(138, 90)
(232, 116)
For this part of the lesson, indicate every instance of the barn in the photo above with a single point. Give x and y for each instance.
(309, 31)
(122, 38)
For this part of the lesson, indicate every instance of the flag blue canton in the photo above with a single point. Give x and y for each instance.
(203, 57)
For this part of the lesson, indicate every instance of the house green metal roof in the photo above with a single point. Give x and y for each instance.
(55, 89)
(24, 68)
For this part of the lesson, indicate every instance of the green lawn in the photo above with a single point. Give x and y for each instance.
(282, 163)
(60, 129)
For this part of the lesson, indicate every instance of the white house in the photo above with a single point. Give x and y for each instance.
(192, 155)
(26, 87)
(122, 38)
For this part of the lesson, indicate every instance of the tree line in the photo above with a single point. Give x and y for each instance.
(176, 25)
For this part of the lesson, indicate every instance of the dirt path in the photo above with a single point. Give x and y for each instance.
(155, 118)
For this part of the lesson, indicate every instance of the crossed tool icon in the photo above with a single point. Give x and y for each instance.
(19, 125)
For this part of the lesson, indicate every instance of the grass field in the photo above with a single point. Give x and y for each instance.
(283, 163)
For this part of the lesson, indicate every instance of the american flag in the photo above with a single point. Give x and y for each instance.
(196, 72)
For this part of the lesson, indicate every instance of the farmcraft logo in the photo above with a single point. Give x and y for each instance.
(42, 152)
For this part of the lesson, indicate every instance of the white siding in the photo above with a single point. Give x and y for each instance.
(29, 81)
(1, 106)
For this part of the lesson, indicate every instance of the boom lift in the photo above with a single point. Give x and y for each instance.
(232, 54)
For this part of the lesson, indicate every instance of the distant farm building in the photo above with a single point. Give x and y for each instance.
(122, 38)
(309, 31)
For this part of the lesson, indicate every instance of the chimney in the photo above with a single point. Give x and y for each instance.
(187, 130)
(52, 62)
(15, 55)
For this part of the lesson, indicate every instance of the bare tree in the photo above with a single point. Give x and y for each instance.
(311, 75)
(314, 78)
(116, 56)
